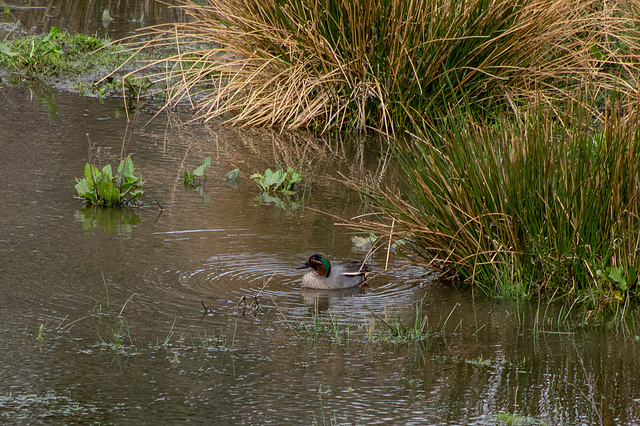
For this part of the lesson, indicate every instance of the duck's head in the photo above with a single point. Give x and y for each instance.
(319, 263)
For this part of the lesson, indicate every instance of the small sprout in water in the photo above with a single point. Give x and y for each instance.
(191, 180)
(174, 360)
(106, 16)
(232, 175)
(199, 171)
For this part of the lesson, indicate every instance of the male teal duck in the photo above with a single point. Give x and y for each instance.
(333, 275)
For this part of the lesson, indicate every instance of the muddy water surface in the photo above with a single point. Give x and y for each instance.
(102, 317)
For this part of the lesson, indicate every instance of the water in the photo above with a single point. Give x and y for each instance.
(102, 317)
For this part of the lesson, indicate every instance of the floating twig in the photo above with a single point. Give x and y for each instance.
(206, 310)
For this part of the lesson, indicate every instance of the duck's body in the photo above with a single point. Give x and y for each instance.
(333, 275)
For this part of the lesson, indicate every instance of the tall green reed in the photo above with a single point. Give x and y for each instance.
(516, 204)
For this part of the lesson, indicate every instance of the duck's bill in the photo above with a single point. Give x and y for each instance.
(303, 266)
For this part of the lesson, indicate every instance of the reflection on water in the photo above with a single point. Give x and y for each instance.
(111, 220)
(87, 16)
(101, 310)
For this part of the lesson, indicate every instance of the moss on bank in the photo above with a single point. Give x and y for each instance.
(74, 62)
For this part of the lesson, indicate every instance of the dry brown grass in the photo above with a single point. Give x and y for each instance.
(391, 64)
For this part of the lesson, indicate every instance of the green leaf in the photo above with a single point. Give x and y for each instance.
(232, 175)
(4, 49)
(115, 195)
(105, 190)
(632, 275)
(84, 189)
(106, 16)
(53, 32)
(273, 179)
(128, 168)
(259, 179)
(135, 194)
(199, 171)
(88, 170)
(132, 180)
(268, 178)
(279, 177)
(293, 177)
(107, 174)
(616, 275)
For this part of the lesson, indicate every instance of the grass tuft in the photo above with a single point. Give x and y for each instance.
(391, 65)
(517, 205)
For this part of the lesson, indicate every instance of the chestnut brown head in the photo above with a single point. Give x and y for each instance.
(319, 263)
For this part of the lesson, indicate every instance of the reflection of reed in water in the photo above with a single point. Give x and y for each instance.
(85, 16)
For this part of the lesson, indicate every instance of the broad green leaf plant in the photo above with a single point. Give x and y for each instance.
(102, 187)
(278, 181)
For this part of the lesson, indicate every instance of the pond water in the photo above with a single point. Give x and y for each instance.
(134, 315)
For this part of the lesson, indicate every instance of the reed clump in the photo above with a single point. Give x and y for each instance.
(389, 65)
(521, 205)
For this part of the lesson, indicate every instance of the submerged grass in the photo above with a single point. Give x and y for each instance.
(395, 330)
(389, 328)
(391, 65)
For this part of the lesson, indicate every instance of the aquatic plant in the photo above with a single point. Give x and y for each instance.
(136, 86)
(479, 361)
(102, 187)
(278, 181)
(121, 341)
(215, 342)
(396, 330)
(192, 179)
(517, 419)
(82, 63)
(390, 65)
(232, 175)
(388, 329)
(58, 53)
(526, 203)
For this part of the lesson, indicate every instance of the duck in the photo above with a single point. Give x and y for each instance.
(328, 275)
